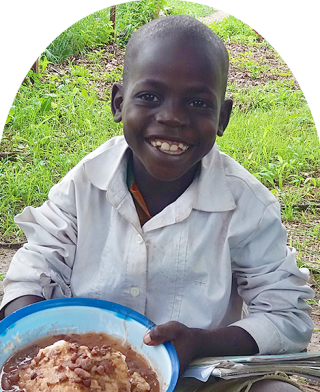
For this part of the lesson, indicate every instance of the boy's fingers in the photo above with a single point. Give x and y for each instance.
(162, 333)
(147, 339)
(155, 337)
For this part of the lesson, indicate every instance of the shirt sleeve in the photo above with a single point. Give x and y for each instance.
(273, 287)
(43, 266)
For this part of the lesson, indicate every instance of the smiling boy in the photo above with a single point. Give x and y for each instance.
(172, 109)
(164, 223)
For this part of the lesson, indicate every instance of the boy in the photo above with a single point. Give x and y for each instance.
(164, 223)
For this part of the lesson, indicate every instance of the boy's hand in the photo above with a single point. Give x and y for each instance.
(181, 337)
(193, 343)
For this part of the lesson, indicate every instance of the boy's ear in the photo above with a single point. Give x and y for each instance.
(225, 113)
(116, 101)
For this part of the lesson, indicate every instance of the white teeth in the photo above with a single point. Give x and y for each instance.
(165, 146)
(183, 146)
(169, 146)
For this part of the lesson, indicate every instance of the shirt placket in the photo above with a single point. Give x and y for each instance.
(136, 273)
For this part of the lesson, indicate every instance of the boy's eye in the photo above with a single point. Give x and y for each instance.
(149, 97)
(198, 103)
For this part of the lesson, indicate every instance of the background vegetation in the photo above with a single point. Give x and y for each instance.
(62, 113)
(96, 29)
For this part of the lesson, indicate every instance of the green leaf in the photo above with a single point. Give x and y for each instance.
(292, 116)
(45, 105)
(8, 119)
(11, 113)
(84, 93)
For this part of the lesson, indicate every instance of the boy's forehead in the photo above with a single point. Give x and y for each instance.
(165, 55)
(169, 46)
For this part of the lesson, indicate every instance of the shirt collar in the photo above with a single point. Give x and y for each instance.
(213, 192)
(107, 170)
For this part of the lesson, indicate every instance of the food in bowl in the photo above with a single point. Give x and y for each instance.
(94, 362)
(65, 316)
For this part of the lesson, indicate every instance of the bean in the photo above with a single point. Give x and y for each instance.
(14, 377)
(71, 365)
(82, 373)
(59, 368)
(33, 375)
(78, 380)
(95, 351)
(73, 347)
(63, 377)
(6, 384)
(87, 382)
(108, 366)
(9, 368)
(100, 369)
(86, 364)
(74, 357)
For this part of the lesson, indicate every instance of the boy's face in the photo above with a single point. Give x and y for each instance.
(172, 106)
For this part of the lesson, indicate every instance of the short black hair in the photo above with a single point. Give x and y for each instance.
(179, 26)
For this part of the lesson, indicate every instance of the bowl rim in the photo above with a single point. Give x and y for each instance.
(120, 310)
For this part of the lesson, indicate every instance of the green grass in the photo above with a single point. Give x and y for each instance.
(272, 132)
(55, 121)
(96, 29)
(52, 127)
(177, 7)
(93, 30)
(232, 29)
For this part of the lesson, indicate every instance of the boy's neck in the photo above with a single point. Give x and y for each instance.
(159, 194)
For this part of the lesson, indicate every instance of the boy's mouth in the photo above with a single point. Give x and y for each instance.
(169, 146)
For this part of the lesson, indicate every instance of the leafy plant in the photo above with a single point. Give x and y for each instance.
(251, 65)
(177, 7)
(232, 29)
(11, 114)
(268, 96)
(93, 30)
(96, 29)
(130, 16)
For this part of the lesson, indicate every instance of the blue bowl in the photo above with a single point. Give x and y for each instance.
(81, 315)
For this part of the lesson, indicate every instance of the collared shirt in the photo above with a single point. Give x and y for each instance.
(141, 207)
(87, 241)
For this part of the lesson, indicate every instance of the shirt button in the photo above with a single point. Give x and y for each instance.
(134, 291)
(139, 239)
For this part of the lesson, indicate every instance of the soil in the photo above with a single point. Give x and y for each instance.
(215, 17)
(298, 232)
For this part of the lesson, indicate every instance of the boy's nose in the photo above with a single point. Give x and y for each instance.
(172, 116)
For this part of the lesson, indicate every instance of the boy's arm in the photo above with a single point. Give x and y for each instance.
(193, 343)
(43, 265)
(19, 303)
(273, 288)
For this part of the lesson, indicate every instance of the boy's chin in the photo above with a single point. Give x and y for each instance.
(170, 175)
(166, 178)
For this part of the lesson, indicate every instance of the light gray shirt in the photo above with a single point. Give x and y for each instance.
(221, 238)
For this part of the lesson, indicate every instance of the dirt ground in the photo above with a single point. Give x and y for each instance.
(216, 17)
(295, 229)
